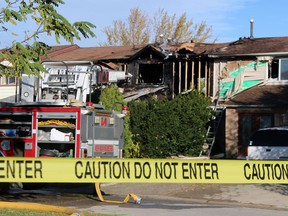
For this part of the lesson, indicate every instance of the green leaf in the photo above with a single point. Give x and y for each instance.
(24, 55)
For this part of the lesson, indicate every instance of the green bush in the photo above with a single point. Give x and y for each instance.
(163, 128)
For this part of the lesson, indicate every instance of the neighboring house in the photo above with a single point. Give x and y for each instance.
(8, 85)
(8, 89)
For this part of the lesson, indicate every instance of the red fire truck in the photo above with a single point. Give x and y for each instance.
(54, 119)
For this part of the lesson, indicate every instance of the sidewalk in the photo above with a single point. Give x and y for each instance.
(260, 196)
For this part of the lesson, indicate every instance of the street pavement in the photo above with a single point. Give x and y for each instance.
(163, 199)
(250, 195)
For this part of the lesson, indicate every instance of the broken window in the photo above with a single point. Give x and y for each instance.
(151, 73)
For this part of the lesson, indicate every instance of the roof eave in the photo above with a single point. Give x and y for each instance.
(248, 54)
(254, 106)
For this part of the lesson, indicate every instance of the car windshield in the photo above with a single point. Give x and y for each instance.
(270, 138)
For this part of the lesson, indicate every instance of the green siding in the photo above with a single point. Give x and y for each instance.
(230, 86)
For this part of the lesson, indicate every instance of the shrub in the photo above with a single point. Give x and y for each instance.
(163, 128)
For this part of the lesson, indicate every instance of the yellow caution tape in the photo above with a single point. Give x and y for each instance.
(127, 198)
(107, 170)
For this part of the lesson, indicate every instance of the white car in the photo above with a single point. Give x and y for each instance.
(269, 144)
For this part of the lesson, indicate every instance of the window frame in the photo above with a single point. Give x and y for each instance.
(280, 69)
(7, 81)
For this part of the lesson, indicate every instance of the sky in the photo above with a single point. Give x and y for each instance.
(229, 19)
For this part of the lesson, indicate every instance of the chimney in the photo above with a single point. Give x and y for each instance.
(251, 29)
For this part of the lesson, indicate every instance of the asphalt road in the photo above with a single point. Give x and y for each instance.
(163, 199)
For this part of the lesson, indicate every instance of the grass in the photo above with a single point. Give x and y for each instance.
(17, 212)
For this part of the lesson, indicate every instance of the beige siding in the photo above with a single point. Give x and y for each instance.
(7, 91)
(219, 66)
(239, 75)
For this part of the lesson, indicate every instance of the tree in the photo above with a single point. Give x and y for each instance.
(180, 29)
(112, 99)
(134, 31)
(24, 56)
(137, 29)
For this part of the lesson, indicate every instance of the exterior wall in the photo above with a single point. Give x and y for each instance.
(240, 74)
(218, 66)
(168, 77)
(132, 68)
(233, 138)
(231, 133)
(7, 93)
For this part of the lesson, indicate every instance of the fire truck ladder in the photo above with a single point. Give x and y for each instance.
(72, 83)
(217, 114)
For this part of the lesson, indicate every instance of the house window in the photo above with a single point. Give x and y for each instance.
(265, 121)
(4, 80)
(151, 73)
(279, 69)
(283, 69)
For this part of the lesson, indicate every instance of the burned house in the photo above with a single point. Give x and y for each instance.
(246, 79)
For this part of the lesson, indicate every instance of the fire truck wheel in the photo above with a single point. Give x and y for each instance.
(33, 186)
(4, 187)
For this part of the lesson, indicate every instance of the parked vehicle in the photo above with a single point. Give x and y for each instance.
(269, 144)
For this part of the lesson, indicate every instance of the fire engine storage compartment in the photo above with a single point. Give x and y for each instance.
(102, 133)
(23, 134)
(57, 133)
(15, 131)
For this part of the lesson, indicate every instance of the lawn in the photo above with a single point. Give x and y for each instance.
(18, 212)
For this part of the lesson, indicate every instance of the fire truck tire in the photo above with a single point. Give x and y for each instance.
(32, 186)
(4, 187)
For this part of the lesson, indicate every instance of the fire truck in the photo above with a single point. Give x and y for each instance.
(55, 117)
